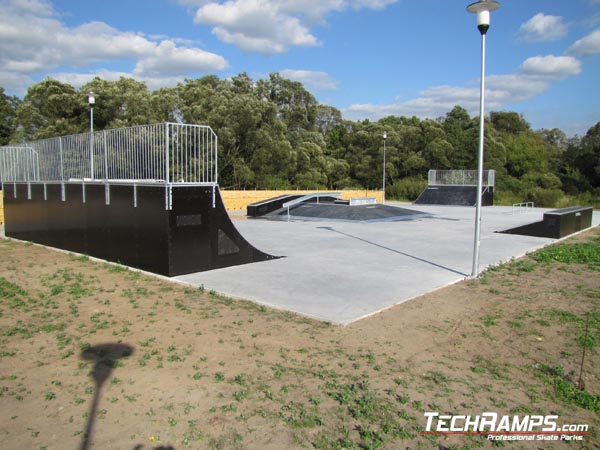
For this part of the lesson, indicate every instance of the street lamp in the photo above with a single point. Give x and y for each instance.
(91, 102)
(482, 8)
(384, 139)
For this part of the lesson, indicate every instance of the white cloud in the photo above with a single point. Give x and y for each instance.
(33, 41)
(255, 26)
(312, 79)
(535, 76)
(39, 7)
(168, 59)
(270, 26)
(371, 4)
(79, 79)
(551, 67)
(543, 28)
(589, 45)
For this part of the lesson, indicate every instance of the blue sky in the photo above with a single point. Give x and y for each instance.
(368, 58)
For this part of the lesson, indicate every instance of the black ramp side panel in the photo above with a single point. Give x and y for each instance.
(151, 227)
(203, 237)
(130, 225)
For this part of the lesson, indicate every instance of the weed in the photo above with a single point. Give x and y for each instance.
(566, 390)
(582, 253)
(490, 320)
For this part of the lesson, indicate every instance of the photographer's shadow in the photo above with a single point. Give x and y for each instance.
(104, 357)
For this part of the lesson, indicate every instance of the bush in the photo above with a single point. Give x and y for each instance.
(548, 198)
(406, 189)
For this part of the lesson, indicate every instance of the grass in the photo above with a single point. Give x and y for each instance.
(209, 371)
(566, 390)
(587, 253)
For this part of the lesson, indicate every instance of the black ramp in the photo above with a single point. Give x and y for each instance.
(455, 196)
(129, 224)
(267, 206)
(558, 223)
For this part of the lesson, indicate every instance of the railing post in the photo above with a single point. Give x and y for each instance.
(167, 178)
(216, 156)
(105, 156)
(62, 170)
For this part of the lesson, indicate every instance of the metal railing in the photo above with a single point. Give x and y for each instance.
(165, 153)
(522, 208)
(460, 178)
(19, 164)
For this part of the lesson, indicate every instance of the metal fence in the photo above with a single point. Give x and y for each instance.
(19, 164)
(460, 178)
(165, 153)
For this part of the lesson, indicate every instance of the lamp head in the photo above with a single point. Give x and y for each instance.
(385, 135)
(91, 98)
(483, 8)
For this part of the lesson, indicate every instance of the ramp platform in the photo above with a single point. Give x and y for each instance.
(558, 223)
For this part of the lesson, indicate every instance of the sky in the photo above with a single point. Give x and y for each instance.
(368, 58)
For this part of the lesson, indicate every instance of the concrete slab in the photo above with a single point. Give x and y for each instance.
(342, 272)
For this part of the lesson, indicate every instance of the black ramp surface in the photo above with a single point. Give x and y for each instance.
(129, 224)
(340, 212)
(272, 204)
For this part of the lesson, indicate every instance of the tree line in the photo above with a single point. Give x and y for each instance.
(274, 134)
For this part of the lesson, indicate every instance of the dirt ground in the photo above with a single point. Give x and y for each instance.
(96, 356)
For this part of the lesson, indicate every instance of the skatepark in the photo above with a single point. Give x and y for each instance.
(152, 202)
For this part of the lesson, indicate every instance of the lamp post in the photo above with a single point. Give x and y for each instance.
(482, 8)
(91, 102)
(383, 192)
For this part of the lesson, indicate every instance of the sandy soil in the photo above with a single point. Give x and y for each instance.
(96, 356)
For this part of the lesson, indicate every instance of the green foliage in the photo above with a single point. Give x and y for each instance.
(406, 189)
(273, 134)
(580, 253)
(8, 115)
(566, 389)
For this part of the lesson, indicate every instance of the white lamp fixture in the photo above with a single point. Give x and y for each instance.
(482, 8)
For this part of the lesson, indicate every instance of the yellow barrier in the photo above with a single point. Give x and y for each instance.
(239, 200)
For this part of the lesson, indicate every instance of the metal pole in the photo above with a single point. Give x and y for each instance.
(476, 241)
(383, 191)
(91, 142)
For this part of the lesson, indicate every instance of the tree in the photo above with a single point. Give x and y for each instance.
(509, 122)
(462, 133)
(296, 107)
(585, 158)
(50, 108)
(122, 103)
(8, 116)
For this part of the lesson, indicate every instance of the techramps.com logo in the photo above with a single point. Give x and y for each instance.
(505, 428)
